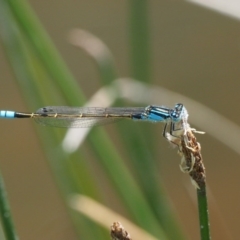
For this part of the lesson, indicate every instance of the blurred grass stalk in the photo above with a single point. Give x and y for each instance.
(38, 68)
(6, 218)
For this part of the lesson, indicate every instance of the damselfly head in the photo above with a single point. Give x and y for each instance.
(179, 112)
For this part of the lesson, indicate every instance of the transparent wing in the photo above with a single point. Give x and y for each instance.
(75, 117)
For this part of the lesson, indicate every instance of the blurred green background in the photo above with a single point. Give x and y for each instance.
(192, 51)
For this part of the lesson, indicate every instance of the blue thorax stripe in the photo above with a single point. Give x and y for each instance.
(157, 114)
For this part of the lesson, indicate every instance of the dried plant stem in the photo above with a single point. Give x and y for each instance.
(191, 152)
(118, 232)
(192, 163)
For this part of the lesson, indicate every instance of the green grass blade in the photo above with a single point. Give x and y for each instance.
(203, 213)
(139, 40)
(45, 50)
(5, 214)
(140, 50)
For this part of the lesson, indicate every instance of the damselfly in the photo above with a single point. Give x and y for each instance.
(77, 117)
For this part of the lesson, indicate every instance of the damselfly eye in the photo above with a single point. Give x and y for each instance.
(176, 115)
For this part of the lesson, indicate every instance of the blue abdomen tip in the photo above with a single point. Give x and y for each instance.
(7, 114)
